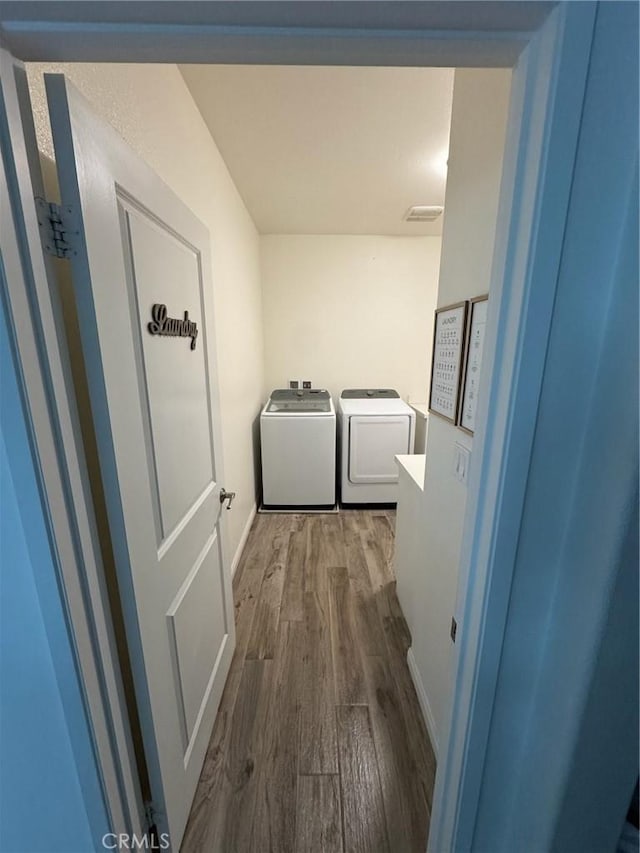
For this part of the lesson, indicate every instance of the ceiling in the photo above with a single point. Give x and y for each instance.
(330, 150)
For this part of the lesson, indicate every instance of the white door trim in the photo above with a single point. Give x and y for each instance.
(47, 389)
(542, 136)
(293, 33)
(528, 251)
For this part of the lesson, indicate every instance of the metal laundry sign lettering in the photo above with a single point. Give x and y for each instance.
(161, 324)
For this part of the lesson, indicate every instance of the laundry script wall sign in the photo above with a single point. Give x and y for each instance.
(172, 327)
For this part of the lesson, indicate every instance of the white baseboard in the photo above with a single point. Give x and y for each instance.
(243, 540)
(422, 698)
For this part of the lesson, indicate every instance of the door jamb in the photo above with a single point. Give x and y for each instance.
(44, 373)
(545, 112)
(520, 317)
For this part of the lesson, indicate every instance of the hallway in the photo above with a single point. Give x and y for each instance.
(319, 742)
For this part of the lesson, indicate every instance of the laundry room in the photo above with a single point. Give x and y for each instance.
(306, 457)
(346, 209)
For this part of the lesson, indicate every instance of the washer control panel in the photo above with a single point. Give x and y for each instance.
(299, 400)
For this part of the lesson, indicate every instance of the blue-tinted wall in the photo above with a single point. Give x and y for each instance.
(50, 795)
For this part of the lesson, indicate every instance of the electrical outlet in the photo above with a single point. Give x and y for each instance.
(306, 384)
(293, 383)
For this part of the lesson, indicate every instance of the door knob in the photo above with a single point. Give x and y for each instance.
(227, 496)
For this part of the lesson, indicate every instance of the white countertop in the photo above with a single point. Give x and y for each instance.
(421, 409)
(413, 464)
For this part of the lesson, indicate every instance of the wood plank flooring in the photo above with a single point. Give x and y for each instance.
(319, 743)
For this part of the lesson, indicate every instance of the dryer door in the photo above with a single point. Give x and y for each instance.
(374, 440)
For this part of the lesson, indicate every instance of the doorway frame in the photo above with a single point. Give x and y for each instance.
(35, 330)
(550, 67)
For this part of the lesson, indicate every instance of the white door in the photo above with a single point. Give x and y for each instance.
(142, 280)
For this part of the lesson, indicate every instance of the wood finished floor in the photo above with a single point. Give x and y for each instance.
(319, 743)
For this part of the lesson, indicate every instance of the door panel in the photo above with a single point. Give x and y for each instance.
(162, 269)
(153, 386)
(197, 631)
(374, 441)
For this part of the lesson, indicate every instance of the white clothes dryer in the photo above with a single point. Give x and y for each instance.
(374, 425)
(298, 441)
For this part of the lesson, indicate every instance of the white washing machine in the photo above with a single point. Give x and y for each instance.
(375, 425)
(298, 440)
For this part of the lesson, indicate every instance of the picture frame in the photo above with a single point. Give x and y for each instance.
(474, 348)
(449, 338)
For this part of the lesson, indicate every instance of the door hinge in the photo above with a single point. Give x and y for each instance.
(57, 234)
(149, 814)
(454, 629)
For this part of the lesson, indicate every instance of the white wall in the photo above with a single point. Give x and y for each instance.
(152, 109)
(480, 104)
(349, 311)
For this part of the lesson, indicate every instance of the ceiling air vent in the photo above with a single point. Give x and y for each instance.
(423, 213)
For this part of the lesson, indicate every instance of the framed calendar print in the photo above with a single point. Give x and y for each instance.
(473, 361)
(449, 337)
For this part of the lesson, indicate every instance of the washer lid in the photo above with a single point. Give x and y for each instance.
(299, 400)
(370, 393)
